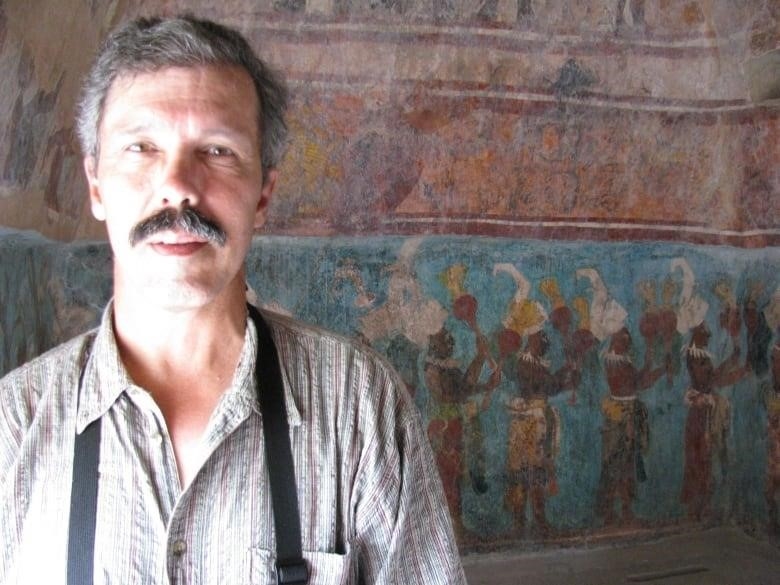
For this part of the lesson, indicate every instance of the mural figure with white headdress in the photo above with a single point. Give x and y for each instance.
(405, 321)
(534, 427)
(407, 311)
(625, 433)
(691, 307)
(606, 314)
(709, 414)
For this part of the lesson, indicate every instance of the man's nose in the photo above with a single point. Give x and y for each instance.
(179, 184)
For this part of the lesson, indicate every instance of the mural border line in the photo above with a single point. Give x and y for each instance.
(311, 29)
(756, 238)
(600, 101)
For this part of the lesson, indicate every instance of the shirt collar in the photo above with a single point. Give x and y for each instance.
(105, 377)
(250, 354)
(244, 384)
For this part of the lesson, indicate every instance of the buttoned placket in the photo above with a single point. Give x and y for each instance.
(165, 481)
(230, 413)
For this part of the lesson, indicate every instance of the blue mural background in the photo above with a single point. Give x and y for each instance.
(393, 293)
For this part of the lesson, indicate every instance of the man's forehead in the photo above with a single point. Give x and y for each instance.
(224, 90)
(217, 76)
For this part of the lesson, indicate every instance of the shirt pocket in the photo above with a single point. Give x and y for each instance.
(331, 568)
(324, 568)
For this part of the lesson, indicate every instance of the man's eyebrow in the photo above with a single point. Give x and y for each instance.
(228, 132)
(225, 132)
(134, 128)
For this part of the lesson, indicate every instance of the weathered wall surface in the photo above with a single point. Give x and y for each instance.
(607, 120)
(529, 444)
(45, 47)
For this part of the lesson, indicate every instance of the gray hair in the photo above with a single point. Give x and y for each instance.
(150, 44)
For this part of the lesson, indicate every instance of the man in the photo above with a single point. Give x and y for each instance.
(182, 129)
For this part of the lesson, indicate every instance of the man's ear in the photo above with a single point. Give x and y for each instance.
(269, 184)
(95, 199)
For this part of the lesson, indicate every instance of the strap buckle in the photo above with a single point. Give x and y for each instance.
(292, 572)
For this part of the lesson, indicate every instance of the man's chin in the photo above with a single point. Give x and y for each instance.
(176, 296)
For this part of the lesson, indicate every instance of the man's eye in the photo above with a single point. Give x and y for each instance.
(216, 150)
(139, 147)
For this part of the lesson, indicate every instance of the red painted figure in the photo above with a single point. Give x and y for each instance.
(708, 420)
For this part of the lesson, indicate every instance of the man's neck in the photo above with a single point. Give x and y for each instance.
(160, 345)
(186, 360)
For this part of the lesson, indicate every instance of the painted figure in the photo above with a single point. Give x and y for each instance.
(456, 403)
(708, 420)
(451, 388)
(658, 323)
(534, 434)
(771, 315)
(578, 343)
(534, 427)
(773, 440)
(625, 432)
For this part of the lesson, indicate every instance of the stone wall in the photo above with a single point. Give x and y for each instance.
(464, 176)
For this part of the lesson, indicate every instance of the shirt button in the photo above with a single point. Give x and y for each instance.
(179, 548)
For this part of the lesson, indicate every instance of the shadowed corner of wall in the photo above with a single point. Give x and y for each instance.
(763, 76)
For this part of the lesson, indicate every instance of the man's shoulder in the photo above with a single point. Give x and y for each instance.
(44, 380)
(59, 360)
(316, 338)
(301, 341)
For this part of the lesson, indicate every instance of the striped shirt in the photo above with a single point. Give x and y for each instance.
(371, 504)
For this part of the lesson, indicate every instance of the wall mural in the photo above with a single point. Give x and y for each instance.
(554, 119)
(567, 388)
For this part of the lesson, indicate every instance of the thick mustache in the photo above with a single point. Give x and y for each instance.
(187, 220)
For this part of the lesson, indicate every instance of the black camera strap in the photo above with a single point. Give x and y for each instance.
(291, 569)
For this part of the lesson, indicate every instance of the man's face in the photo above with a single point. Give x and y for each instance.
(176, 139)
